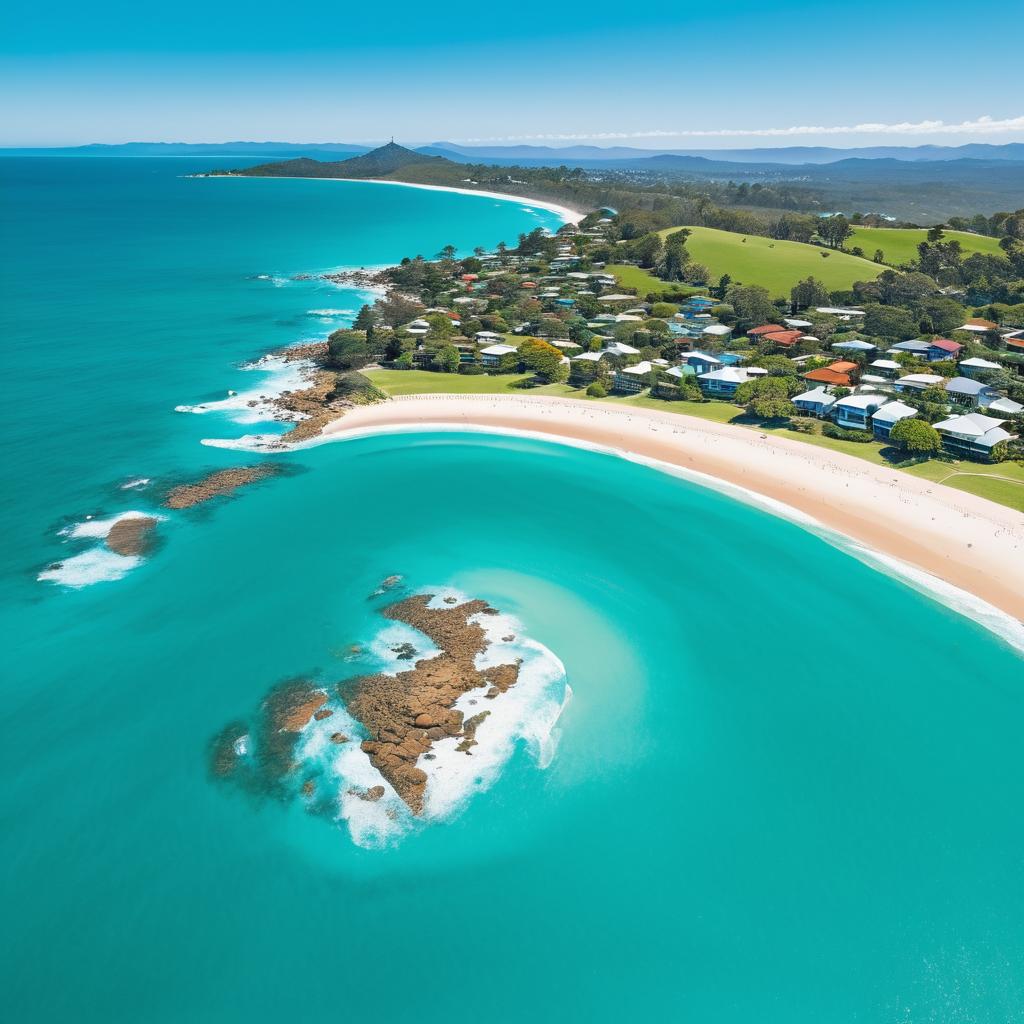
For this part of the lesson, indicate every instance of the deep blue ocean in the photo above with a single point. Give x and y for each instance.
(785, 788)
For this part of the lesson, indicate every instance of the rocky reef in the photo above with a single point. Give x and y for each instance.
(404, 714)
(217, 485)
(131, 535)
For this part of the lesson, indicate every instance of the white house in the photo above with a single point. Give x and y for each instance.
(723, 382)
(973, 435)
(491, 356)
(487, 337)
(717, 331)
(636, 378)
(815, 403)
(919, 382)
(966, 391)
(888, 416)
(855, 411)
(969, 367)
(619, 348)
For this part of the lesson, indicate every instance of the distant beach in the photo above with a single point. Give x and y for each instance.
(959, 540)
(569, 215)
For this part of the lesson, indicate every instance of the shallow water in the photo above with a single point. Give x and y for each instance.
(786, 787)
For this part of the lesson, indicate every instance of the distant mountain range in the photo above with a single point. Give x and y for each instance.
(594, 156)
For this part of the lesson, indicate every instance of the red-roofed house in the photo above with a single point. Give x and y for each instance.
(837, 375)
(784, 339)
(943, 348)
(756, 332)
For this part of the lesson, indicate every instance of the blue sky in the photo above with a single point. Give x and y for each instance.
(654, 75)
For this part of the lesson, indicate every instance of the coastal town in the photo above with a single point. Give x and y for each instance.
(574, 314)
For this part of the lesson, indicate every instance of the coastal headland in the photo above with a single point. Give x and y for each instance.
(956, 539)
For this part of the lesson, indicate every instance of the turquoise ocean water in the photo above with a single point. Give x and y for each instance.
(786, 787)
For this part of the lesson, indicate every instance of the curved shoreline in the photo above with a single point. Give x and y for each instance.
(960, 548)
(567, 213)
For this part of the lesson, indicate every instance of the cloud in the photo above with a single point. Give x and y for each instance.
(980, 126)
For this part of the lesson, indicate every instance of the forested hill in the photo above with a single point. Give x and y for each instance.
(378, 163)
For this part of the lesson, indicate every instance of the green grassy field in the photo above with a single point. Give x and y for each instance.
(777, 266)
(645, 283)
(1002, 483)
(899, 245)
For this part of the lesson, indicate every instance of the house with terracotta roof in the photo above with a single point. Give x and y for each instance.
(836, 376)
(979, 326)
(783, 339)
(756, 332)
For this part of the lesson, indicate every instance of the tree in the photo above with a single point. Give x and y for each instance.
(879, 256)
(447, 253)
(752, 303)
(647, 249)
(916, 436)
(809, 292)
(347, 350)
(664, 310)
(889, 322)
(696, 273)
(936, 234)
(597, 390)
(447, 359)
(542, 359)
(835, 230)
(675, 257)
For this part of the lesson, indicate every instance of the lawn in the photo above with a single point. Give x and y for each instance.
(775, 265)
(645, 282)
(899, 245)
(1002, 482)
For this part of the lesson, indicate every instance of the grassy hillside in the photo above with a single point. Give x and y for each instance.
(646, 283)
(777, 266)
(900, 244)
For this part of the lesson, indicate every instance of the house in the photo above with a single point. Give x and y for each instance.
(886, 368)
(633, 379)
(842, 312)
(617, 297)
(837, 375)
(619, 348)
(888, 416)
(855, 411)
(976, 325)
(723, 382)
(699, 303)
(719, 331)
(919, 382)
(973, 435)
(815, 403)
(965, 391)
(487, 337)
(1006, 406)
(730, 358)
(855, 346)
(783, 339)
(757, 332)
(970, 367)
(918, 347)
(797, 325)
(943, 348)
(492, 355)
(701, 362)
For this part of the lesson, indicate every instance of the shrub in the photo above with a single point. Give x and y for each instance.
(597, 390)
(471, 369)
(404, 361)
(840, 433)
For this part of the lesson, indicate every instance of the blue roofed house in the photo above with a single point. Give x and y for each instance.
(972, 393)
(888, 416)
(701, 362)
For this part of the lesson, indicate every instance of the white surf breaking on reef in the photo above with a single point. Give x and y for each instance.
(97, 564)
(524, 718)
(256, 404)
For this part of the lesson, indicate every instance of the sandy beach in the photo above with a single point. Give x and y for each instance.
(568, 215)
(896, 521)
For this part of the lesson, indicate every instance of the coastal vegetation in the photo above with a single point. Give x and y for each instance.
(898, 246)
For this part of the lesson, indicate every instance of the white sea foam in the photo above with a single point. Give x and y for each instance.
(526, 715)
(255, 404)
(101, 527)
(136, 483)
(97, 565)
(247, 443)
(330, 312)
